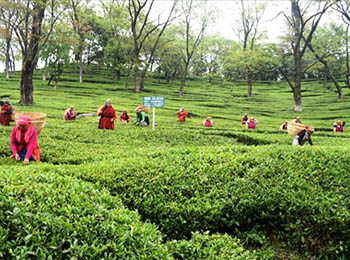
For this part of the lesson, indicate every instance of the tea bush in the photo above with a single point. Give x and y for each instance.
(45, 216)
(94, 188)
(205, 246)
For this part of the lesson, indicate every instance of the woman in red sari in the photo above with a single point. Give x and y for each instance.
(5, 114)
(24, 141)
(107, 116)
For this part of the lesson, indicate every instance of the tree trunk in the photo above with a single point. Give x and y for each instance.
(142, 79)
(13, 62)
(183, 79)
(347, 58)
(335, 82)
(27, 85)
(45, 70)
(297, 57)
(81, 62)
(7, 59)
(182, 85)
(116, 75)
(325, 78)
(136, 74)
(127, 80)
(136, 81)
(297, 98)
(250, 84)
(30, 56)
(297, 82)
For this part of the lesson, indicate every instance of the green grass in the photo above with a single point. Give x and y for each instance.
(187, 192)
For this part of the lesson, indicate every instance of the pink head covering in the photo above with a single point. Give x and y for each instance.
(26, 121)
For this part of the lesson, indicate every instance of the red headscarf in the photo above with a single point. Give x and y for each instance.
(26, 121)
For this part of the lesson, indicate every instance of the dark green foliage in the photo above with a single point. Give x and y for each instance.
(45, 216)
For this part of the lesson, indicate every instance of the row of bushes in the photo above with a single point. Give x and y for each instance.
(47, 216)
(261, 194)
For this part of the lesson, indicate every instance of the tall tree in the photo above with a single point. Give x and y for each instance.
(115, 22)
(170, 53)
(27, 26)
(302, 25)
(7, 15)
(250, 16)
(257, 61)
(81, 27)
(192, 39)
(207, 58)
(141, 28)
(56, 51)
(153, 47)
(327, 47)
(343, 7)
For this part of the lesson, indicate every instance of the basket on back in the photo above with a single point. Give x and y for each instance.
(295, 128)
(37, 119)
(14, 113)
(141, 107)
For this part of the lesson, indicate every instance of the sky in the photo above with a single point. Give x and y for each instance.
(228, 13)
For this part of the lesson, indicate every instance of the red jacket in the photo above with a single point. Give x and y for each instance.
(5, 118)
(181, 116)
(124, 117)
(106, 115)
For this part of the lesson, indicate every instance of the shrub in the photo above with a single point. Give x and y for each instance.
(205, 246)
(44, 216)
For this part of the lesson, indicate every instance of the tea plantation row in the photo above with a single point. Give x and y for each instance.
(47, 216)
(180, 192)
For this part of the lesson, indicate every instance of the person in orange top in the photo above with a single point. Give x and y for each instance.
(107, 116)
(24, 141)
(182, 115)
(5, 114)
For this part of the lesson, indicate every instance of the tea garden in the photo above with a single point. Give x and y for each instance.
(180, 191)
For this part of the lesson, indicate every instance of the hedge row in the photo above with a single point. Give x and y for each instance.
(47, 216)
(297, 195)
(44, 216)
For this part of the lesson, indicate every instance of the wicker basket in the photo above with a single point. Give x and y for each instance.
(38, 119)
(295, 128)
(14, 113)
(144, 109)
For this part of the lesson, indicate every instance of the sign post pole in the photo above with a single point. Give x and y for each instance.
(153, 102)
(154, 118)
